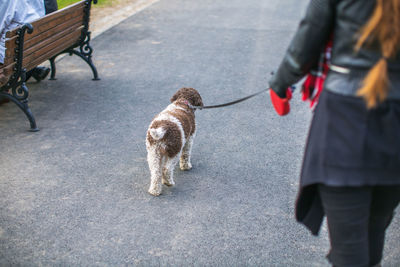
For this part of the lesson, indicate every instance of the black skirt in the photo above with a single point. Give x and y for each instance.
(349, 145)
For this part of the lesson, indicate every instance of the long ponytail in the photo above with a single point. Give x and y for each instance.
(383, 27)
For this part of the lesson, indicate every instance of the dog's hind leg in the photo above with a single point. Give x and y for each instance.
(184, 163)
(155, 161)
(168, 171)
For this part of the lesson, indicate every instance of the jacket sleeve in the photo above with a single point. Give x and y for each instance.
(305, 48)
(8, 19)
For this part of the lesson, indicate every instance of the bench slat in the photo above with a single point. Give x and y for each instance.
(9, 69)
(59, 15)
(10, 46)
(39, 29)
(74, 23)
(36, 47)
(3, 78)
(51, 50)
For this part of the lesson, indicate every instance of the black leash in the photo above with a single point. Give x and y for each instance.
(229, 103)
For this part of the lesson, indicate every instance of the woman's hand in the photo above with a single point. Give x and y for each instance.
(281, 105)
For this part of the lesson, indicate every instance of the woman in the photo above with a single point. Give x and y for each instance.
(351, 166)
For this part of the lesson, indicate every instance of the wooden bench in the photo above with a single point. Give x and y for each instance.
(27, 46)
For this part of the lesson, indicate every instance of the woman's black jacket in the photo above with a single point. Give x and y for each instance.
(343, 18)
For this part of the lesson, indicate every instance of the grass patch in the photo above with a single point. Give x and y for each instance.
(64, 3)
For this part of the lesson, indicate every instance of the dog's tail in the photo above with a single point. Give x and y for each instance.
(157, 133)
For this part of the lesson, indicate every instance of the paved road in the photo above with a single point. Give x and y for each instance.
(74, 193)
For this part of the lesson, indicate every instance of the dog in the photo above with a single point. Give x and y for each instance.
(169, 138)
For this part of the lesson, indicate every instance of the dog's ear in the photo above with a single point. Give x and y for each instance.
(196, 99)
(177, 95)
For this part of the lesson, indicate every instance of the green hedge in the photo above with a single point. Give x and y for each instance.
(64, 3)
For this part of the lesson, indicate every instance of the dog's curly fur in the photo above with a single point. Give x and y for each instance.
(170, 138)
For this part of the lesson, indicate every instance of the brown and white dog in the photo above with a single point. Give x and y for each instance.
(170, 137)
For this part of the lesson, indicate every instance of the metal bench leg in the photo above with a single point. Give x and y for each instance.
(85, 52)
(22, 103)
(53, 68)
(88, 60)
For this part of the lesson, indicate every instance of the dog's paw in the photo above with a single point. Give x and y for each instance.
(155, 190)
(185, 166)
(168, 182)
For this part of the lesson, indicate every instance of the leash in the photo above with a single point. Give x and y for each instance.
(229, 103)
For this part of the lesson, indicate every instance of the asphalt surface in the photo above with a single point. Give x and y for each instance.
(75, 193)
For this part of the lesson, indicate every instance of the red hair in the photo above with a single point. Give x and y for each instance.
(383, 27)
